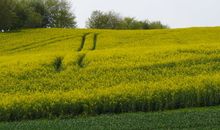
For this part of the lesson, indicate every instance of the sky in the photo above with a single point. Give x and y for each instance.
(175, 13)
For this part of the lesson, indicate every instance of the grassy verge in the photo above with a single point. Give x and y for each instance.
(197, 118)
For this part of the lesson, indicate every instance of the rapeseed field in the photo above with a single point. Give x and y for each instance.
(68, 72)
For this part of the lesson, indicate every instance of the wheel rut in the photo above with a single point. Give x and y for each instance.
(82, 55)
(95, 38)
(41, 43)
(80, 60)
(83, 41)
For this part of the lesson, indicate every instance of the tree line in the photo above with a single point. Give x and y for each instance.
(17, 14)
(113, 20)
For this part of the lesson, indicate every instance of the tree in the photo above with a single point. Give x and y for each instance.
(40, 12)
(132, 23)
(146, 24)
(7, 15)
(113, 20)
(59, 14)
(26, 14)
(157, 25)
(15, 14)
(104, 20)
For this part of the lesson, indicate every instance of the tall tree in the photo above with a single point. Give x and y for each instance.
(16, 14)
(7, 15)
(104, 20)
(59, 14)
(27, 16)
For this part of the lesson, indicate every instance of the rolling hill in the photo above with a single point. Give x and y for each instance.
(48, 73)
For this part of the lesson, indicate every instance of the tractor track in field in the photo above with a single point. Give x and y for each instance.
(41, 43)
(95, 38)
(83, 41)
(36, 42)
(82, 56)
(80, 60)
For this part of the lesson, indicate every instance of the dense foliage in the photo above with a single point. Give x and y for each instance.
(16, 14)
(55, 72)
(113, 20)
